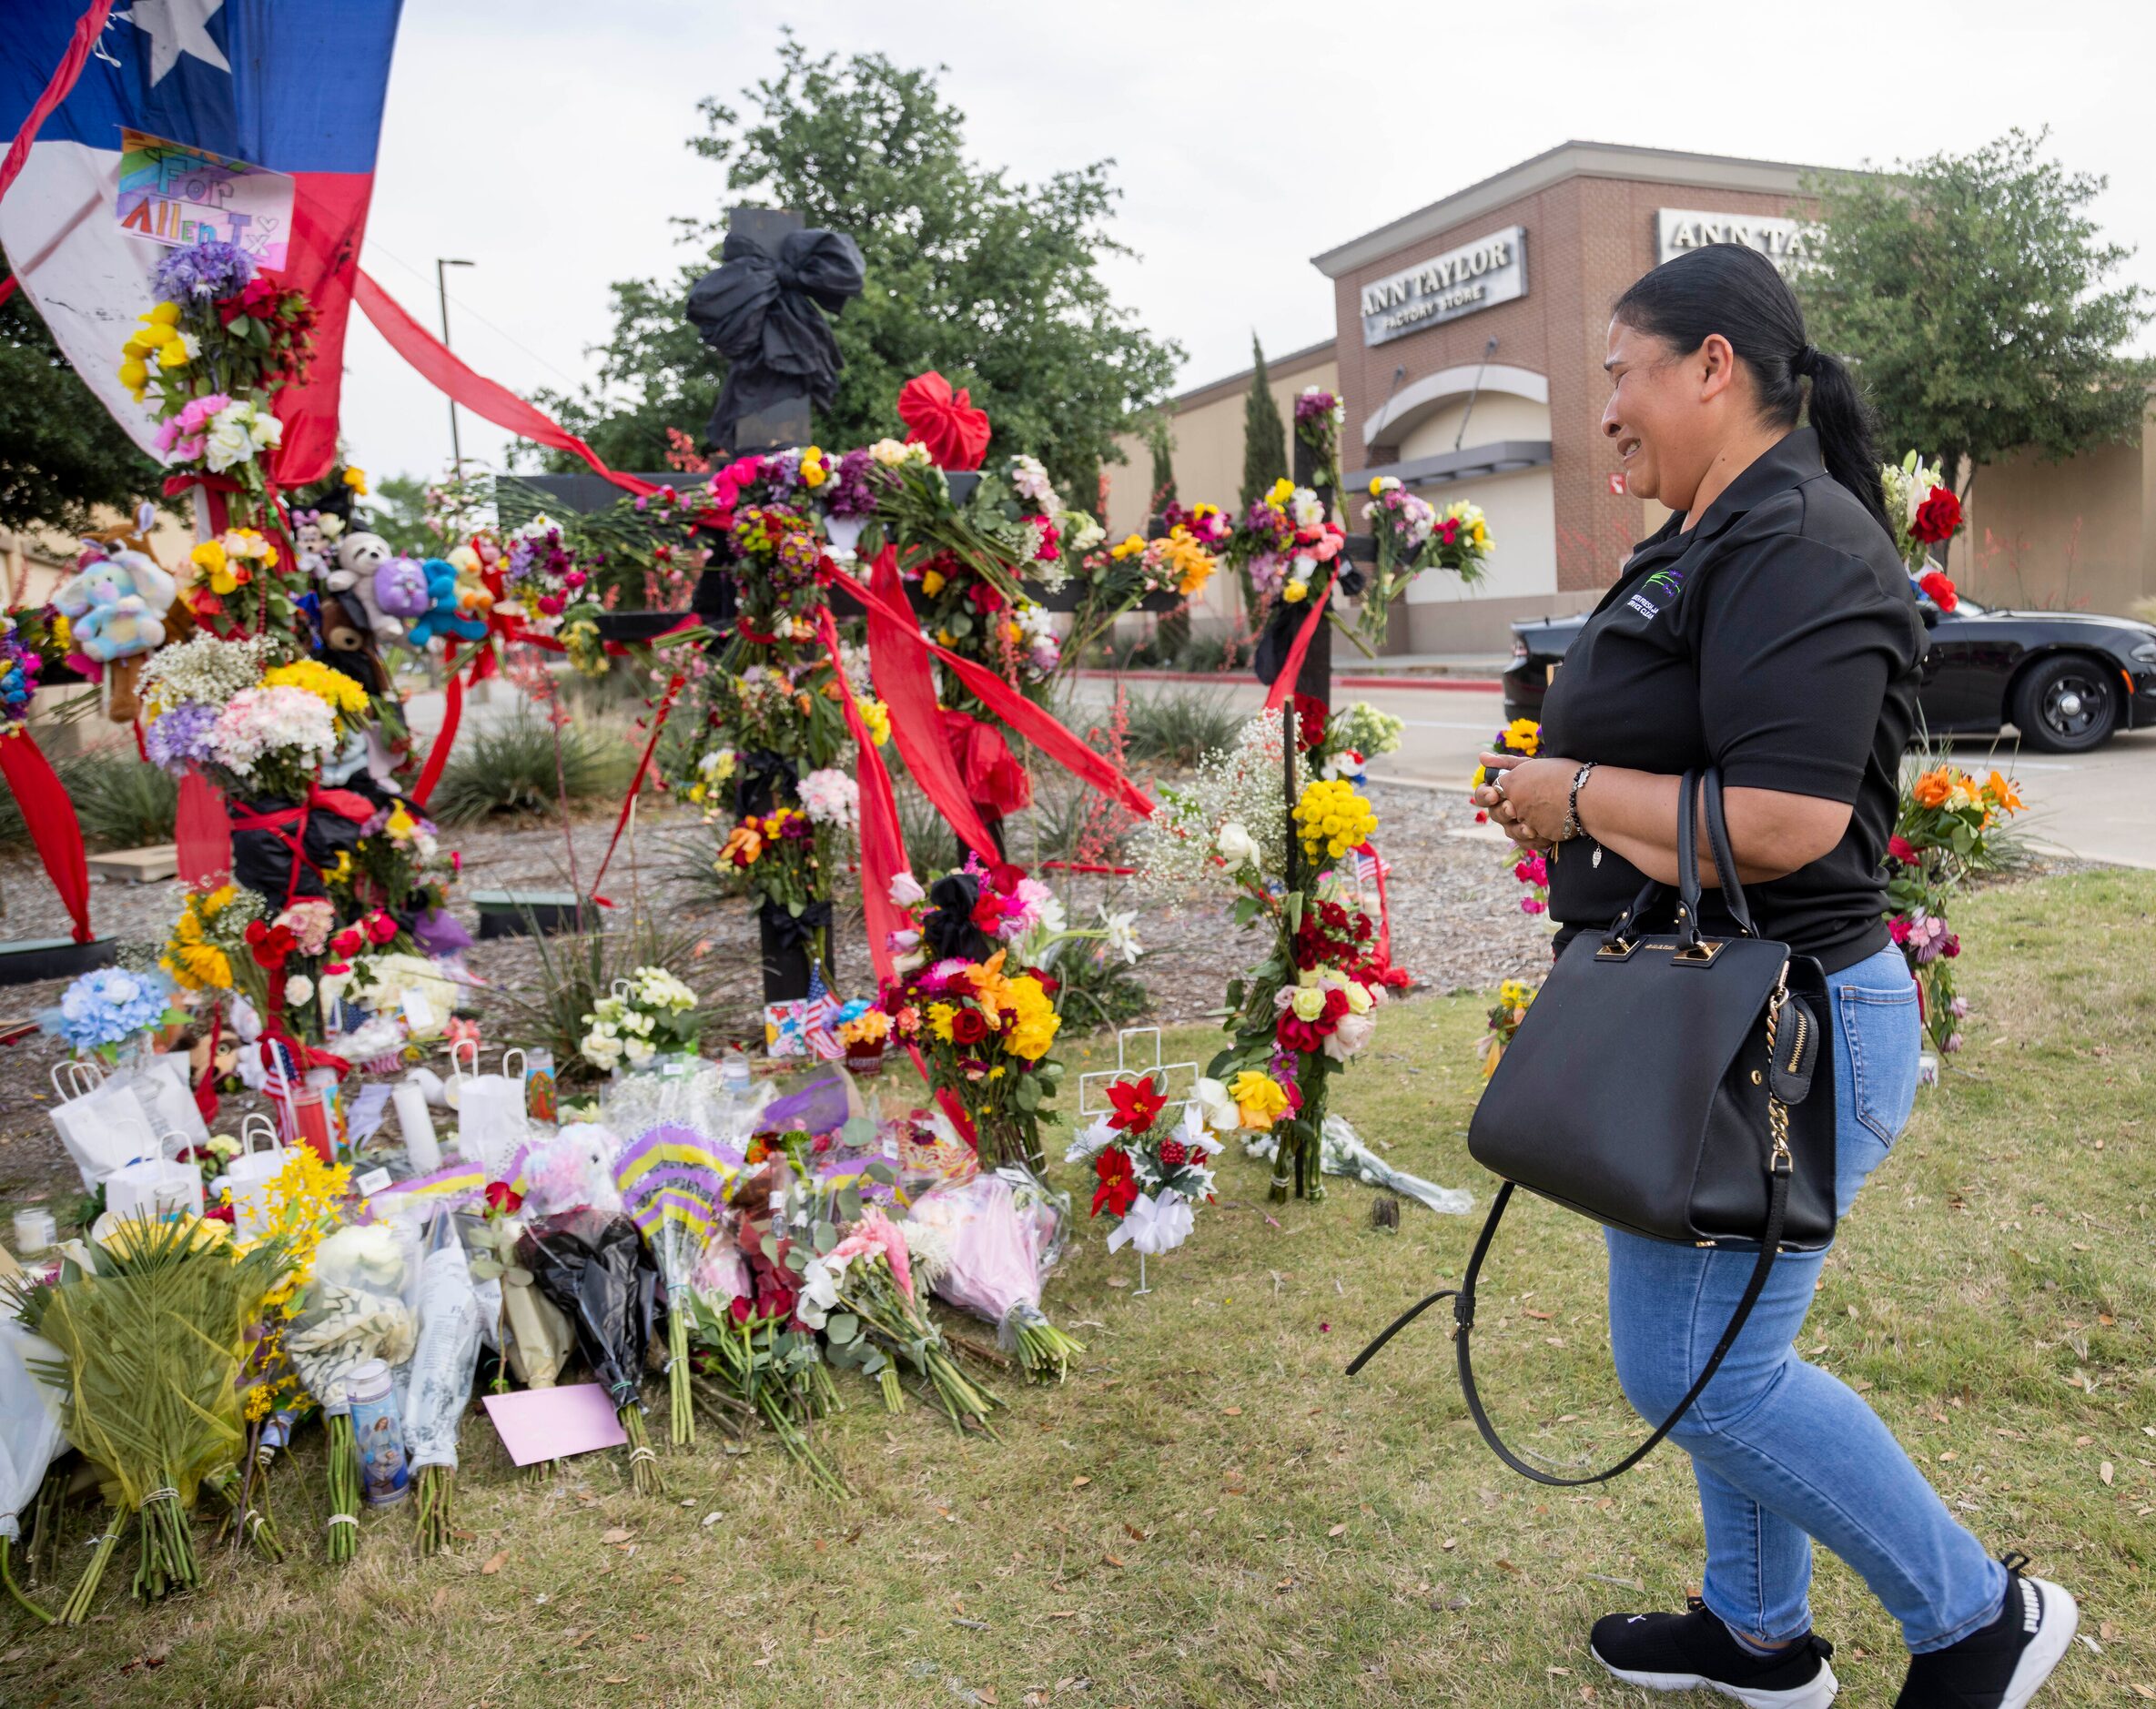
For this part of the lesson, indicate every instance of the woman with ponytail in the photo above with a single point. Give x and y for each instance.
(1767, 628)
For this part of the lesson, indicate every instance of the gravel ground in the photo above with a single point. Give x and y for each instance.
(1457, 926)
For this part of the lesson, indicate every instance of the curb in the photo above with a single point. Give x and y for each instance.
(1458, 684)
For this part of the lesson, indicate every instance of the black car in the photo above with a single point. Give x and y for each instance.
(2066, 680)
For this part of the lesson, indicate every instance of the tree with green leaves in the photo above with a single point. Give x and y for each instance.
(1970, 291)
(993, 281)
(1264, 434)
(61, 452)
(397, 510)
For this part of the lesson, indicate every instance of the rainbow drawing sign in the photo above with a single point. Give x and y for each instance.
(172, 194)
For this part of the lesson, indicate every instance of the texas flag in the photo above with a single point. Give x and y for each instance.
(275, 105)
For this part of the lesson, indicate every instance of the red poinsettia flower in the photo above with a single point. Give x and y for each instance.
(502, 1199)
(1119, 1182)
(1136, 1103)
(1937, 518)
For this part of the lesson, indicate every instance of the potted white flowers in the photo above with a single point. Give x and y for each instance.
(645, 1020)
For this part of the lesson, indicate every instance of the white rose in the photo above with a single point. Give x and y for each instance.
(228, 442)
(1236, 846)
(298, 989)
(1349, 1036)
(906, 891)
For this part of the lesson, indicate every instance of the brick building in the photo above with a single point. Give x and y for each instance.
(1469, 356)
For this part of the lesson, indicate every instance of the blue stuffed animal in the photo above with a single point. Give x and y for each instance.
(443, 615)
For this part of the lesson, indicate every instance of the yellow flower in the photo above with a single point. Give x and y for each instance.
(1131, 548)
(356, 479)
(1523, 735)
(209, 556)
(877, 717)
(163, 315)
(135, 375)
(340, 692)
(1295, 593)
(1034, 1030)
(173, 353)
(1282, 491)
(939, 1020)
(1259, 1100)
(932, 582)
(943, 637)
(222, 580)
(400, 824)
(218, 901)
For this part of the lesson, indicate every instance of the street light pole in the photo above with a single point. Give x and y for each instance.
(442, 289)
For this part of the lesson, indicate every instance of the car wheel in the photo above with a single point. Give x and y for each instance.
(2066, 706)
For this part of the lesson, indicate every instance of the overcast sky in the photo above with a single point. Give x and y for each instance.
(545, 141)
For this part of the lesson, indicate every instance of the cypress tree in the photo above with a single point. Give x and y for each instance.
(1160, 437)
(1264, 435)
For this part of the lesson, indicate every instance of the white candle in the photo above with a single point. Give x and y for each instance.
(421, 1147)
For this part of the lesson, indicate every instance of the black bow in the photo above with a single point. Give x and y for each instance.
(763, 777)
(787, 930)
(947, 928)
(765, 314)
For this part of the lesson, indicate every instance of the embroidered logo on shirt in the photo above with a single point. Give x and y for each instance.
(1668, 583)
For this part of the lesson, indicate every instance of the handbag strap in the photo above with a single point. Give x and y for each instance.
(1718, 833)
(1695, 790)
(1463, 1301)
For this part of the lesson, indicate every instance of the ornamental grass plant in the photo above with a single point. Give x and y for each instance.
(516, 768)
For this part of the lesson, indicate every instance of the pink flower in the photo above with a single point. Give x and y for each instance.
(1897, 928)
(1533, 904)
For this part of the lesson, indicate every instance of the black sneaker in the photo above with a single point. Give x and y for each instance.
(2003, 1665)
(1694, 1652)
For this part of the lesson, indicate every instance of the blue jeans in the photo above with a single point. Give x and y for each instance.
(1784, 1452)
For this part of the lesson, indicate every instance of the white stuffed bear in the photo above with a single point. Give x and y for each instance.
(358, 556)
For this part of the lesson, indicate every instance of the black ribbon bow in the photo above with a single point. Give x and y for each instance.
(765, 314)
(789, 930)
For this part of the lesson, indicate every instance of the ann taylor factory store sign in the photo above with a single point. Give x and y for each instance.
(1479, 275)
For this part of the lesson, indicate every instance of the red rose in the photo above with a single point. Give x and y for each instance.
(218, 1213)
(503, 1200)
(1336, 1006)
(1119, 1182)
(1941, 589)
(983, 599)
(1005, 877)
(1902, 850)
(1135, 1104)
(1310, 720)
(968, 1026)
(1937, 518)
(1297, 1035)
(381, 927)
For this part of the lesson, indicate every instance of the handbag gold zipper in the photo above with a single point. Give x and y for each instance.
(1796, 1050)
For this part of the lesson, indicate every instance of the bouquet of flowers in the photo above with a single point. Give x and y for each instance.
(1287, 545)
(1511, 1008)
(1412, 535)
(783, 856)
(594, 1267)
(993, 535)
(1319, 417)
(971, 615)
(443, 1365)
(209, 950)
(354, 1312)
(1150, 1173)
(1943, 833)
(1308, 1008)
(991, 1260)
(1530, 867)
(32, 639)
(107, 1007)
(864, 1286)
(1924, 514)
(651, 1013)
(965, 997)
(148, 1348)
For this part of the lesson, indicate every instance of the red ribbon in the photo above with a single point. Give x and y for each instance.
(203, 833)
(674, 689)
(87, 29)
(1284, 683)
(946, 422)
(899, 664)
(883, 839)
(1036, 725)
(994, 778)
(453, 714)
(49, 814)
(484, 398)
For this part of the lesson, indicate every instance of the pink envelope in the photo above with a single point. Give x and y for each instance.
(537, 1424)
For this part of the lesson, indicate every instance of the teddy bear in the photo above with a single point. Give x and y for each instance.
(391, 594)
(444, 615)
(117, 603)
(359, 553)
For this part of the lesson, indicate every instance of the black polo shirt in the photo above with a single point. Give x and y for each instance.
(1778, 640)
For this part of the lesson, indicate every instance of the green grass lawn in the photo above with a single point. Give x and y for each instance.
(1209, 1513)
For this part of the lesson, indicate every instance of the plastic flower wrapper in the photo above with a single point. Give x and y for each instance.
(572, 1169)
(355, 1311)
(990, 1265)
(596, 1270)
(674, 1187)
(1344, 1152)
(442, 1370)
(146, 1350)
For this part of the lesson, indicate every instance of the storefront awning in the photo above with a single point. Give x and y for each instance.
(1500, 457)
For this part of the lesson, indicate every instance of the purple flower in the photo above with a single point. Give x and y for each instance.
(182, 734)
(209, 269)
(848, 492)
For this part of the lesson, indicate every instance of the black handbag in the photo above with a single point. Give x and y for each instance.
(1669, 1084)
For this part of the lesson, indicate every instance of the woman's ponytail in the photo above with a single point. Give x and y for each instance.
(1728, 288)
(1843, 421)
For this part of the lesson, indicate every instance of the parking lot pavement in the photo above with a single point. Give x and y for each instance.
(2096, 806)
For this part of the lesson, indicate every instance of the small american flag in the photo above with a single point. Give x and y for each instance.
(1367, 869)
(816, 1015)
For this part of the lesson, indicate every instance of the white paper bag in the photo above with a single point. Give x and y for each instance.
(248, 1175)
(163, 1089)
(153, 1189)
(104, 1130)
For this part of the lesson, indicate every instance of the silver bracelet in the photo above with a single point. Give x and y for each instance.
(1573, 827)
